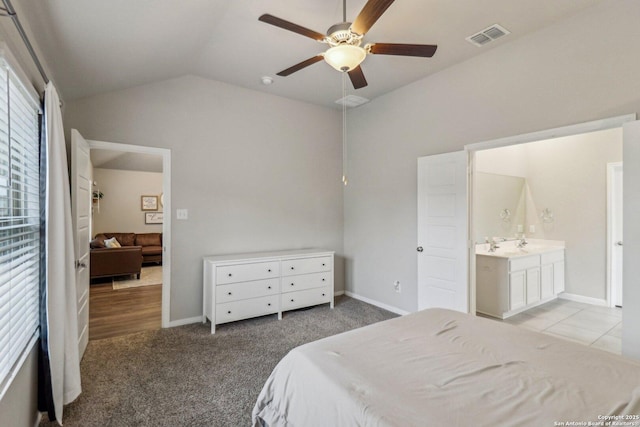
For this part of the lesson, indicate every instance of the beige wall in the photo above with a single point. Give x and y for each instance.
(120, 208)
(564, 74)
(568, 176)
(256, 172)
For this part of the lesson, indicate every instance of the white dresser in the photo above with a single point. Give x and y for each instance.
(241, 286)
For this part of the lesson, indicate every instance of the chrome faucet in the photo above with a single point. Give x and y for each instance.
(522, 242)
(493, 245)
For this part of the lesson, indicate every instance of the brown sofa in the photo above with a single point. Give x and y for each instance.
(111, 262)
(136, 250)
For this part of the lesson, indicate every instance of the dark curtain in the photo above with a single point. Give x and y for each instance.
(45, 395)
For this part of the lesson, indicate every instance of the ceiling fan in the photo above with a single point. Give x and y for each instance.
(345, 53)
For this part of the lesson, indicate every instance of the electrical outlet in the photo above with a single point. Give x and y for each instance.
(396, 286)
(182, 214)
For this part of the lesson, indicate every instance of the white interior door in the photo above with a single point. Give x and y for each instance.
(81, 212)
(615, 232)
(442, 232)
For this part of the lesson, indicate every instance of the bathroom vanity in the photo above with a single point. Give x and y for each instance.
(511, 280)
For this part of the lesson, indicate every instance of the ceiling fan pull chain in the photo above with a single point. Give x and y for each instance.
(344, 129)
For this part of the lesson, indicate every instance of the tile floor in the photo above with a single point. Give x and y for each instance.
(592, 325)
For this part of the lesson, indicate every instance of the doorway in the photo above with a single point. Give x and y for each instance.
(553, 193)
(473, 149)
(157, 216)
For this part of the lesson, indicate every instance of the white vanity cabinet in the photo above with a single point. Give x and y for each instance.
(506, 285)
(241, 286)
(552, 273)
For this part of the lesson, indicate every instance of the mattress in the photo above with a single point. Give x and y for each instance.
(444, 368)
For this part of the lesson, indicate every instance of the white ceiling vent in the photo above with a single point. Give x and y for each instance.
(352, 101)
(487, 35)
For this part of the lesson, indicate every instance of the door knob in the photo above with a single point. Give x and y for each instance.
(420, 249)
(619, 243)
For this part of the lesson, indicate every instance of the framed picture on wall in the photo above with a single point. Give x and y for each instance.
(153, 217)
(149, 203)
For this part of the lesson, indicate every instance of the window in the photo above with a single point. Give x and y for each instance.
(19, 224)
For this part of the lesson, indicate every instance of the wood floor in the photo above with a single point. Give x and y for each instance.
(125, 311)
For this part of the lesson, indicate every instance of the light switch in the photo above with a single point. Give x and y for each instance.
(532, 228)
(182, 214)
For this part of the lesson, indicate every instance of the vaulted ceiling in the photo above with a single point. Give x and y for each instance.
(96, 46)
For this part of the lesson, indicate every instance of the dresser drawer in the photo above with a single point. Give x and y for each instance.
(236, 310)
(247, 272)
(292, 300)
(244, 290)
(306, 281)
(306, 265)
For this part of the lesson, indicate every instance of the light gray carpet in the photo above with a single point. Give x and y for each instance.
(186, 377)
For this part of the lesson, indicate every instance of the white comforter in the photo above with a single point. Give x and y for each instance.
(444, 368)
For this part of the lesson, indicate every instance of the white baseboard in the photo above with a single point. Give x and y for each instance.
(187, 321)
(583, 299)
(338, 293)
(376, 303)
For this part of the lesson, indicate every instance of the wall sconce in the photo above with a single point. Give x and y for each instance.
(546, 216)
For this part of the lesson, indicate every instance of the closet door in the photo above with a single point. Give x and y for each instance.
(442, 232)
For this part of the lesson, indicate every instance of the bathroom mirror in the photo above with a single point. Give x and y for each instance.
(499, 205)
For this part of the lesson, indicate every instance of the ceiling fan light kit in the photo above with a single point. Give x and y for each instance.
(345, 57)
(345, 38)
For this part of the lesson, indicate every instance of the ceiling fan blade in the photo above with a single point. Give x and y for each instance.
(369, 15)
(424, 50)
(357, 78)
(273, 20)
(301, 65)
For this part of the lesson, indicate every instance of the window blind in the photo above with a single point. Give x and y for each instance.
(19, 224)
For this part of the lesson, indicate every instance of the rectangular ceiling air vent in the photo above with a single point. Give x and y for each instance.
(487, 35)
(352, 101)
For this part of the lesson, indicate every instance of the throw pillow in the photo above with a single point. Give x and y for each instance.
(96, 243)
(112, 243)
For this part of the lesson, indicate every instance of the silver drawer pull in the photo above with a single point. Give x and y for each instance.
(268, 287)
(229, 274)
(269, 270)
(269, 304)
(292, 268)
(323, 280)
(292, 284)
(323, 264)
(322, 294)
(292, 300)
(229, 312)
(229, 293)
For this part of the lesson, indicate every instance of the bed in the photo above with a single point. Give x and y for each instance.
(443, 368)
